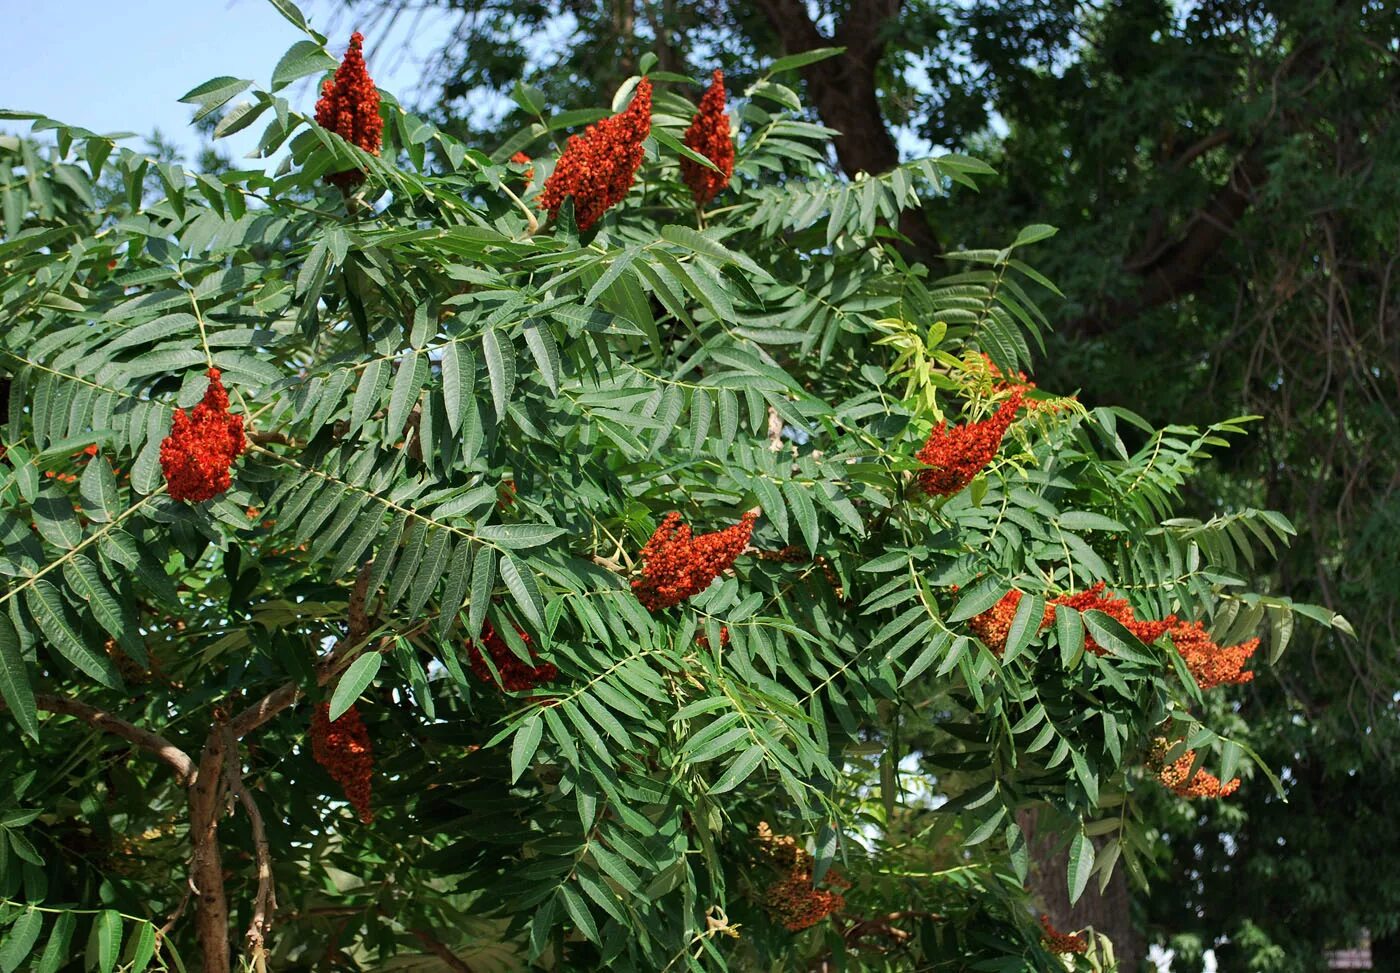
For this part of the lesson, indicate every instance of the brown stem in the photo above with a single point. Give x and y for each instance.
(265, 902)
(206, 797)
(153, 743)
(439, 949)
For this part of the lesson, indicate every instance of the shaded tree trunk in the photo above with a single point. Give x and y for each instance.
(1109, 913)
(207, 794)
(844, 92)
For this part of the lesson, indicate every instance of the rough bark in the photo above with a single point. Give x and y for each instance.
(844, 92)
(206, 800)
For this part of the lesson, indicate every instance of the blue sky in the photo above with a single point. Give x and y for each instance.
(122, 66)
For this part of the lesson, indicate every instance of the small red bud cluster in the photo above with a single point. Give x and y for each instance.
(88, 451)
(343, 748)
(677, 564)
(795, 899)
(1211, 665)
(955, 455)
(1176, 776)
(597, 167)
(349, 107)
(708, 136)
(703, 640)
(202, 445)
(516, 675)
(1061, 942)
(528, 175)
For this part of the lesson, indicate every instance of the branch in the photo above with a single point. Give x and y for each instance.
(439, 949)
(153, 743)
(1179, 268)
(345, 649)
(265, 902)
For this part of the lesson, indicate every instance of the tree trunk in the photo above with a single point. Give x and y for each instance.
(1109, 913)
(845, 95)
(207, 868)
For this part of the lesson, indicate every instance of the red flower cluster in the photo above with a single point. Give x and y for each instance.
(676, 564)
(1173, 776)
(994, 624)
(344, 749)
(516, 676)
(956, 454)
(796, 901)
(349, 107)
(1211, 665)
(524, 160)
(708, 135)
(1003, 382)
(1061, 942)
(597, 167)
(1095, 599)
(202, 446)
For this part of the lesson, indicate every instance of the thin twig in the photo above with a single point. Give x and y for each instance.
(265, 902)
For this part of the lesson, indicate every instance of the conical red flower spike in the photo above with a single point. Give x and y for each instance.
(597, 167)
(349, 107)
(202, 445)
(708, 135)
(343, 747)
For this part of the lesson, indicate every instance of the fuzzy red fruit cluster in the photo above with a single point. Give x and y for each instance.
(955, 455)
(1061, 942)
(1096, 599)
(597, 167)
(994, 624)
(349, 107)
(677, 564)
(708, 135)
(202, 445)
(794, 899)
(1210, 664)
(516, 675)
(1176, 776)
(343, 747)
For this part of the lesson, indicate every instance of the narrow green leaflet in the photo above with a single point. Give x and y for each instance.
(523, 747)
(107, 940)
(15, 688)
(521, 585)
(738, 772)
(354, 681)
(20, 939)
(1081, 864)
(56, 952)
(46, 605)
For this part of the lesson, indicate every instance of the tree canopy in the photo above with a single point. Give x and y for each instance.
(1223, 175)
(623, 555)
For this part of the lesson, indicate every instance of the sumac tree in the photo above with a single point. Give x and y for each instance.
(392, 569)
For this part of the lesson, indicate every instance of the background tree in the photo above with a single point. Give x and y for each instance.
(1225, 174)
